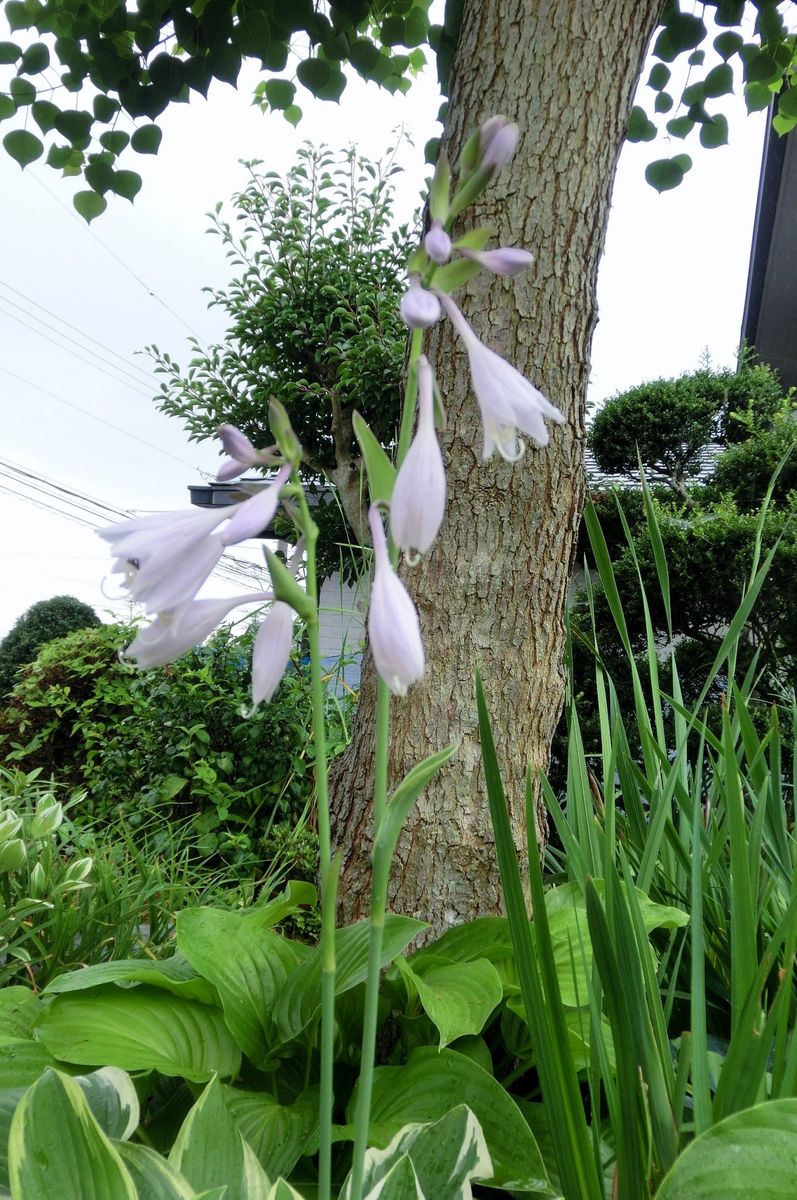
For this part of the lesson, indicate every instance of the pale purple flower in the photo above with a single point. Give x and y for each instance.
(393, 627)
(437, 243)
(498, 141)
(241, 454)
(166, 558)
(419, 307)
(252, 516)
(177, 630)
(505, 260)
(507, 401)
(272, 651)
(419, 493)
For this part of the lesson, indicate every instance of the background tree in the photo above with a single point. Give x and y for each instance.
(314, 322)
(566, 71)
(668, 423)
(42, 622)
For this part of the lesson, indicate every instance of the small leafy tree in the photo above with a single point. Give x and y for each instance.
(668, 423)
(314, 322)
(43, 621)
(744, 470)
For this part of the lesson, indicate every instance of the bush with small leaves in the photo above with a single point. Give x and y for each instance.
(43, 621)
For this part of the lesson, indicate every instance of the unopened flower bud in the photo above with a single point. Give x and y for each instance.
(47, 819)
(419, 493)
(437, 243)
(393, 627)
(506, 260)
(419, 307)
(498, 141)
(12, 855)
(37, 884)
(272, 651)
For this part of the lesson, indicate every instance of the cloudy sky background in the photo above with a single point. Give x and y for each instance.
(671, 285)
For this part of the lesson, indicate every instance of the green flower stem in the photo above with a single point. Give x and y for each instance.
(380, 862)
(327, 871)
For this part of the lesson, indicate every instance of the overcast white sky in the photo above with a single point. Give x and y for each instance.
(671, 284)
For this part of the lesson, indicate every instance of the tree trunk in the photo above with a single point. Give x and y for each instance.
(492, 592)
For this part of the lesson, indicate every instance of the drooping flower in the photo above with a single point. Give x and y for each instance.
(394, 630)
(241, 454)
(272, 651)
(252, 516)
(505, 260)
(437, 243)
(498, 141)
(177, 630)
(419, 493)
(507, 401)
(165, 558)
(419, 307)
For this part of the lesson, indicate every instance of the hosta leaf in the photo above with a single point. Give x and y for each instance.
(210, 1151)
(140, 1029)
(446, 1156)
(154, 1178)
(248, 964)
(175, 974)
(22, 1062)
(430, 1085)
(300, 1000)
(19, 1008)
(752, 1153)
(458, 997)
(279, 1134)
(112, 1098)
(57, 1151)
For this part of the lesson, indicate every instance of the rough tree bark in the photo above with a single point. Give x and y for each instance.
(492, 592)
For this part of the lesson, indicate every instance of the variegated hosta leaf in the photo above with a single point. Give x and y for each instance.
(446, 1156)
(57, 1151)
(210, 1151)
(153, 1176)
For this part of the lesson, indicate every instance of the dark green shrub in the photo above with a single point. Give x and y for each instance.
(669, 422)
(43, 621)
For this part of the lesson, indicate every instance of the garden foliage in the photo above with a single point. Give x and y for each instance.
(43, 622)
(178, 740)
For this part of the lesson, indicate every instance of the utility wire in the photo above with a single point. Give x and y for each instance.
(102, 420)
(230, 568)
(133, 387)
(86, 336)
(87, 229)
(139, 381)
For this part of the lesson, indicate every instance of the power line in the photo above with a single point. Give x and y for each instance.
(87, 229)
(102, 420)
(59, 333)
(230, 568)
(74, 353)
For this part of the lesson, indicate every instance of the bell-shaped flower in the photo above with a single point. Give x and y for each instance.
(272, 651)
(394, 630)
(419, 492)
(437, 243)
(419, 307)
(498, 141)
(177, 630)
(166, 557)
(507, 401)
(241, 454)
(505, 260)
(252, 516)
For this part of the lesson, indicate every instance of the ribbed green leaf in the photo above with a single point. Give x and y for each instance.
(751, 1154)
(140, 1029)
(210, 1150)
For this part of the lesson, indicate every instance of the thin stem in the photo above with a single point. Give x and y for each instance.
(380, 863)
(408, 407)
(327, 872)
